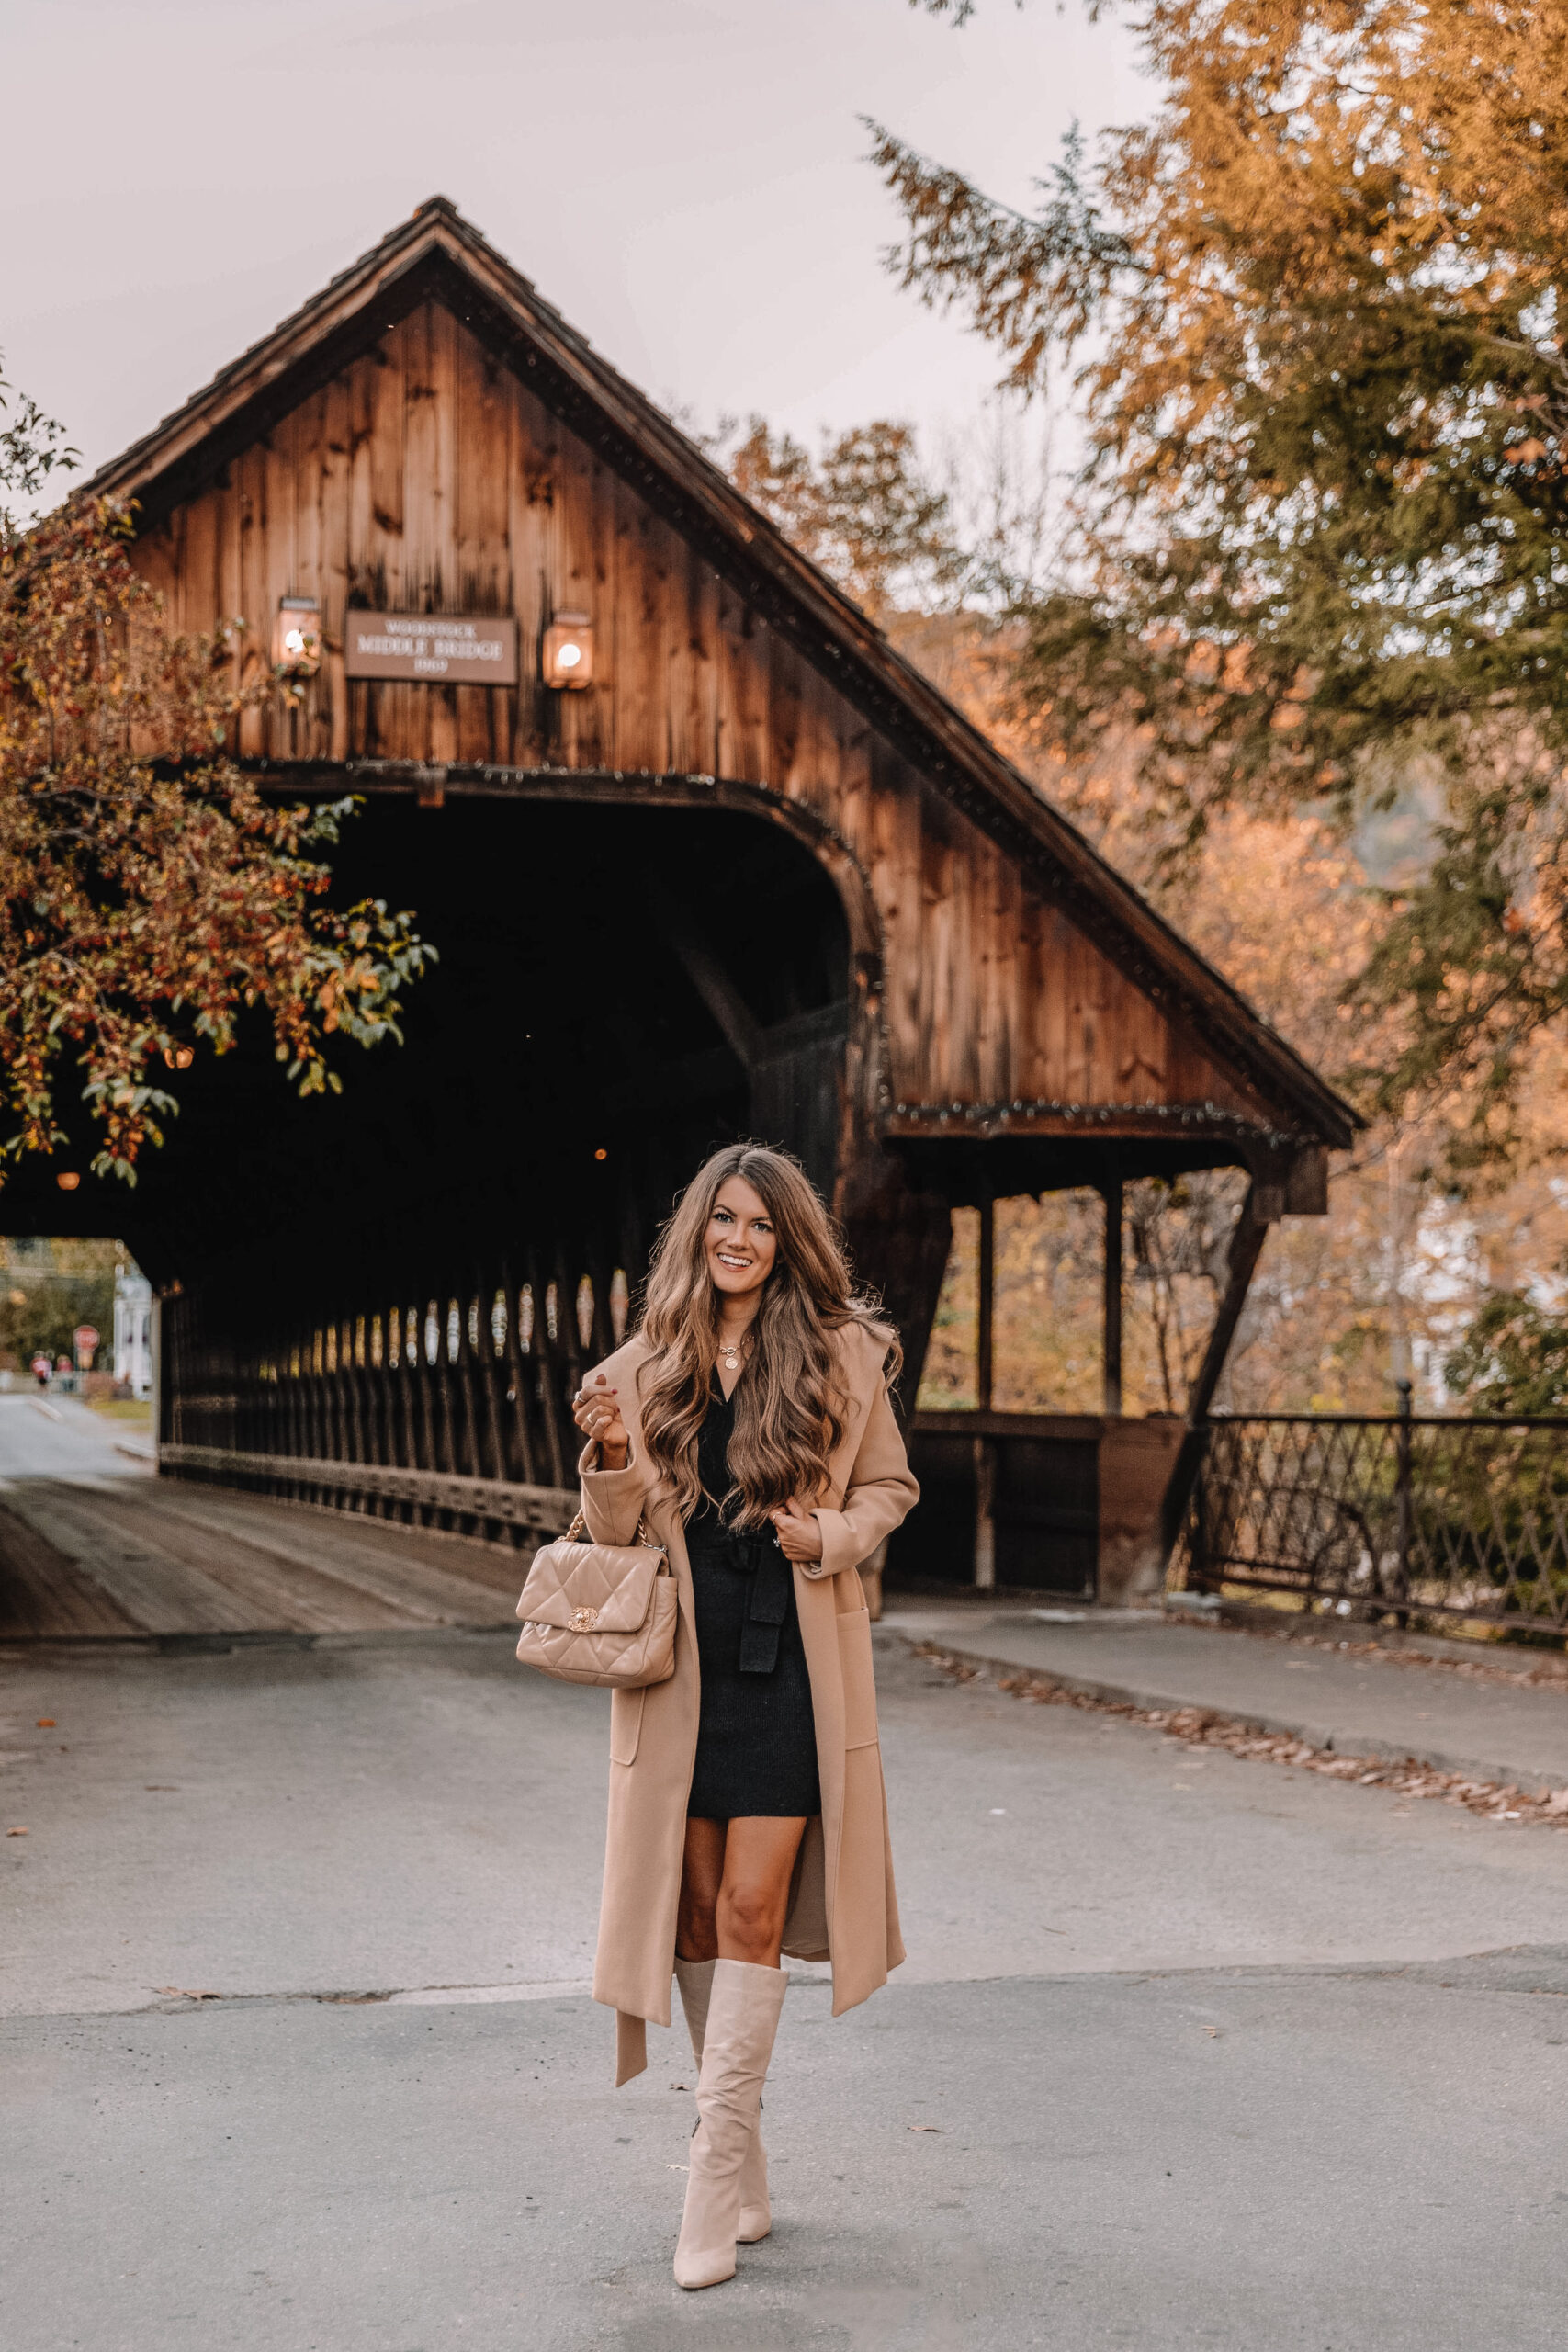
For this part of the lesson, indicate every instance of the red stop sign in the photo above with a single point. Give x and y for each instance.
(84, 1336)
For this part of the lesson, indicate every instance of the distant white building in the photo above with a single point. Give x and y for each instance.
(133, 1330)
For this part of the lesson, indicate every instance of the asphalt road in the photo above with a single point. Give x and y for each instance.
(59, 1436)
(1189, 2051)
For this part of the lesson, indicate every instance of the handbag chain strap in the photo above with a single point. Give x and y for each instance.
(580, 1527)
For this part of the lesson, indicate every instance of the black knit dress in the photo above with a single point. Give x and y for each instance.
(756, 1737)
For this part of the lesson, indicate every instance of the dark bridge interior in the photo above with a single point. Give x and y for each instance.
(602, 973)
(619, 990)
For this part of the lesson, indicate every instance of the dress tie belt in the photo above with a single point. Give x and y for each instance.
(767, 1605)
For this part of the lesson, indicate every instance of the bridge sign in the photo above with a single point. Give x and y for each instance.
(445, 648)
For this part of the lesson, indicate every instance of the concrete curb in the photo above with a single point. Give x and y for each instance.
(1527, 1779)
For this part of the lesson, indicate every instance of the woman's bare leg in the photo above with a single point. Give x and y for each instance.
(753, 1895)
(702, 1874)
(734, 1887)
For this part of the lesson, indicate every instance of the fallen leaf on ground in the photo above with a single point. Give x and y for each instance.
(46, 1723)
(15, 1833)
(925, 2127)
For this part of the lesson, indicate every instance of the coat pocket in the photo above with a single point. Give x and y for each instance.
(858, 1678)
(626, 1724)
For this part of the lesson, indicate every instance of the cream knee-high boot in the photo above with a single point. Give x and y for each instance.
(744, 2006)
(694, 1978)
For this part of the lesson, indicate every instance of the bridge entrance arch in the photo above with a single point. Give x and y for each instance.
(408, 1275)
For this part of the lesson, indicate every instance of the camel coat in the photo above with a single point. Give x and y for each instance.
(843, 1906)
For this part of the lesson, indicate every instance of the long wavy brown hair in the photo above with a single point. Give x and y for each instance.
(789, 1406)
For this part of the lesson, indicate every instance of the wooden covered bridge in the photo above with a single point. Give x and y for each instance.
(701, 856)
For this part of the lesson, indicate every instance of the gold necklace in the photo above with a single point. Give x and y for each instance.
(729, 1357)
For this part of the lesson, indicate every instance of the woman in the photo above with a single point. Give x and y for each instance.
(749, 1420)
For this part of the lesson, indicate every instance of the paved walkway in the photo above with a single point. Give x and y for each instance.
(1189, 2054)
(1236, 2163)
(1389, 1706)
(59, 1436)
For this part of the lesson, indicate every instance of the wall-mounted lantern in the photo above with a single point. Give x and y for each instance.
(569, 651)
(296, 640)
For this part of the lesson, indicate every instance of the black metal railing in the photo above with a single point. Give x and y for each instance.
(1398, 1515)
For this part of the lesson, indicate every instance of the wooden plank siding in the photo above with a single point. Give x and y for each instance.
(426, 476)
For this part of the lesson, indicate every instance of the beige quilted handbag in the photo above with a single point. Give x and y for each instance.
(599, 1612)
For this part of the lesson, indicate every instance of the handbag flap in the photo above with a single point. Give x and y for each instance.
(591, 1588)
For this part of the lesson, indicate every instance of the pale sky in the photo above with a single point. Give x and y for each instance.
(683, 178)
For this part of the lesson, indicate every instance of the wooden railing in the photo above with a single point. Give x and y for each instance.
(451, 1408)
(347, 1486)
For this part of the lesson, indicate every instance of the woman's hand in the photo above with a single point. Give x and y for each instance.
(598, 1416)
(799, 1532)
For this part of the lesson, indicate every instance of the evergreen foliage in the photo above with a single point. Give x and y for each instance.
(1513, 1358)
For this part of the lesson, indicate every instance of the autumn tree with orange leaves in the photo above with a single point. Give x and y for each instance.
(149, 894)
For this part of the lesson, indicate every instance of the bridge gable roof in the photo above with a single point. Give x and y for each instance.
(436, 254)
